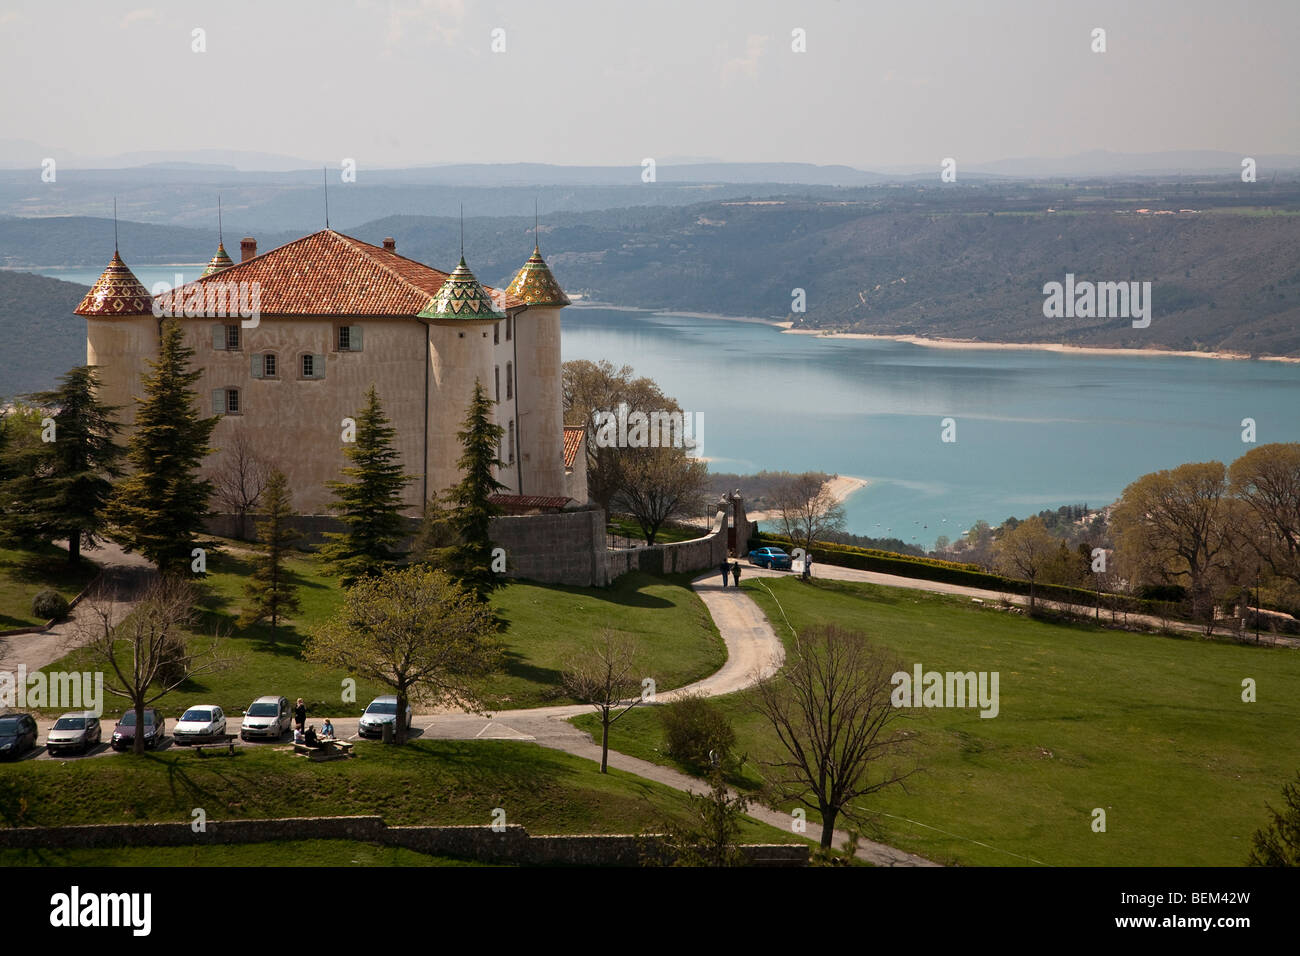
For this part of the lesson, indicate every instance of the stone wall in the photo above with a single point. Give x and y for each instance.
(564, 548)
(698, 554)
(513, 844)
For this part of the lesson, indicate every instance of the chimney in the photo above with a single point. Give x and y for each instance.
(247, 248)
(390, 244)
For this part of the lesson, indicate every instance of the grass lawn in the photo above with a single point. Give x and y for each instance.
(1152, 729)
(24, 571)
(626, 526)
(548, 625)
(433, 782)
(283, 853)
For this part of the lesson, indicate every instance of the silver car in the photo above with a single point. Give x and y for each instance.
(79, 731)
(267, 718)
(199, 723)
(382, 710)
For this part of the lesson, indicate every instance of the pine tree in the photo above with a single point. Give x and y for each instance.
(60, 488)
(468, 510)
(160, 508)
(271, 589)
(369, 504)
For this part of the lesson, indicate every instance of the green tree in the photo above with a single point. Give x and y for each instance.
(159, 509)
(369, 503)
(467, 508)
(1026, 551)
(415, 630)
(1278, 844)
(271, 590)
(60, 488)
(712, 835)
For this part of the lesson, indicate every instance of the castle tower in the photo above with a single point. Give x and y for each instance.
(220, 261)
(460, 319)
(121, 334)
(540, 377)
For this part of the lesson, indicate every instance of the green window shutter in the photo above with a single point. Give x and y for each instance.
(219, 337)
(255, 368)
(318, 366)
(354, 339)
(218, 401)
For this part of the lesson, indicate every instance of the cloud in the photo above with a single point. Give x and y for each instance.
(747, 65)
(423, 20)
(139, 16)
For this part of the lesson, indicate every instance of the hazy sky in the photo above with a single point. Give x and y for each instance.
(609, 82)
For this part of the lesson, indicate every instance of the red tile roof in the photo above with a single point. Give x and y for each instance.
(573, 435)
(519, 503)
(328, 273)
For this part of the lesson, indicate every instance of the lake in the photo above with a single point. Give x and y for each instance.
(1034, 430)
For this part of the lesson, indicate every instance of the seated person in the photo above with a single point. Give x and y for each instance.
(327, 731)
(297, 736)
(309, 738)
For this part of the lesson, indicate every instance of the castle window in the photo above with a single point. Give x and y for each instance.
(264, 365)
(510, 378)
(347, 338)
(311, 366)
(510, 326)
(496, 334)
(512, 443)
(225, 338)
(225, 401)
(497, 372)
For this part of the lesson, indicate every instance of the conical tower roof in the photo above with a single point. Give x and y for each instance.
(535, 284)
(220, 261)
(116, 292)
(461, 297)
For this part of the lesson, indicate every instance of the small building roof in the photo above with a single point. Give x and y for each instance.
(116, 292)
(535, 284)
(523, 504)
(573, 436)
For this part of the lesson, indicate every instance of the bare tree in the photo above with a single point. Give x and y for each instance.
(148, 653)
(831, 710)
(658, 484)
(240, 479)
(606, 676)
(807, 510)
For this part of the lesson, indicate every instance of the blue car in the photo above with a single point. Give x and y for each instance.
(770, 558)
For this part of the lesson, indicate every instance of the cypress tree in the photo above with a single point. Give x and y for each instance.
(271, 589)
(60, 488)
(369, 504)
(159, 509)
(468, 510)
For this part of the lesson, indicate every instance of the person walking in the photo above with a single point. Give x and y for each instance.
(724, 569)
(300, 715)
(735, 572)
(807, 566)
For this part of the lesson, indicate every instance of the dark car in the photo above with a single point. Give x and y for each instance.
(124, 732)
(770, 558)
(17, 735)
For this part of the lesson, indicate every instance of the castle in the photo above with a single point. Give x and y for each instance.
(333, 315)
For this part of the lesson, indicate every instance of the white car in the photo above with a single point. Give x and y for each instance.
(268, 718)
(77, 731)
(199, 723)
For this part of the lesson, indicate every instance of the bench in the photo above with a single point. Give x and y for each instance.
(216, 742)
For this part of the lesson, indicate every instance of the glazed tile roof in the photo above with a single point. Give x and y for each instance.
(573, 435)
(116, 292)
(535, 285)
(328, 273)
(220, 261)
(461, 297)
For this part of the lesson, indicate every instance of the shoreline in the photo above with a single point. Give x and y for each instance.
(1061, 348)
(840, 487)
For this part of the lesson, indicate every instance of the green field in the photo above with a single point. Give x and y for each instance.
(548, 624)
(314, 853)
(433, 782)
(1151, 729)
(24, 571)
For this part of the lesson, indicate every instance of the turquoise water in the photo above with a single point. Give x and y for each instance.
(1034, 429)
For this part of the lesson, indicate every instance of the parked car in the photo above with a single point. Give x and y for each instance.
(770, 558)
(17, 735)
(382, 710)
(77, 731)
(268, 718)
(199, 723)
(124, 733)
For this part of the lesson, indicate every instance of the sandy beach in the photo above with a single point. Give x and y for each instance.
(972, 345)
(840, 487)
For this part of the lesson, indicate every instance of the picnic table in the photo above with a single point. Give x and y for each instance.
(325, 750)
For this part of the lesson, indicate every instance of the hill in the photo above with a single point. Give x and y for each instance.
(43, 338)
